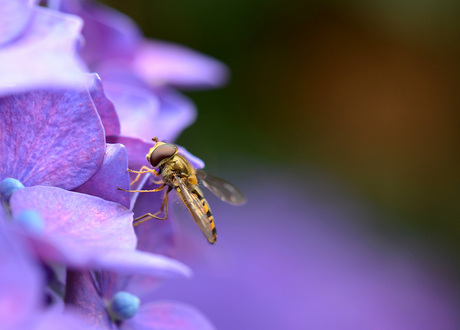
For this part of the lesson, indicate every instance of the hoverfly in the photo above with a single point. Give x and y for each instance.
(177, 173)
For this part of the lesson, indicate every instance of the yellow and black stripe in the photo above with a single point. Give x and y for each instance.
(208, 212)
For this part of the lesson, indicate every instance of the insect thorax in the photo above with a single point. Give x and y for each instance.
(178, 166)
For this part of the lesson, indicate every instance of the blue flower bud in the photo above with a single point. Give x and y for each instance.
(30, 220)
(8, 187)
(124, 305)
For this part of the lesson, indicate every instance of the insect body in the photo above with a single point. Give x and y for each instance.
(177, 173)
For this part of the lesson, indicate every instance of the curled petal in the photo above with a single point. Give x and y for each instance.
(137, 150)
(44, 54)
(104, 106)
(110, 176)
(163, 63)
(50, 138)
(84, 296)
(167, 315)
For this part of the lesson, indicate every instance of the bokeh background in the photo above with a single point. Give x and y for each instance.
(340, 122)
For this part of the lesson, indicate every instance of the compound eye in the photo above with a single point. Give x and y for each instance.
(162, 152)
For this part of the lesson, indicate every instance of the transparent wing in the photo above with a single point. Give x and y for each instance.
(199, 209)
(221, 188)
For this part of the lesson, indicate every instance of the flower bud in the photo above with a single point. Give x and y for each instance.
(124, 305)
(8, 187)
(30, 220)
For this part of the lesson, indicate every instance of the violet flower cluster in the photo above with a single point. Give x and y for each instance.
(82, 92)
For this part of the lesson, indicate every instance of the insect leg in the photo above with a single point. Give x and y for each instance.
(148, 216)
(156, 181)
(140, 172)
(153, 190)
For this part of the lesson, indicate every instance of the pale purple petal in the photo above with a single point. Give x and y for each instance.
(137, 108)
(20, 281)
(111, 175)
(145, 112)
(138, 262)
(44, 55)
(163, 63)
(107, 32)
(167, 315)
(86, 231)
(104, 106)
(177, 112)
(50, 138)
(15, 16)
(84, 296)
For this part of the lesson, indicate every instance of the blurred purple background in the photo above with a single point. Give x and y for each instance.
(341, 125)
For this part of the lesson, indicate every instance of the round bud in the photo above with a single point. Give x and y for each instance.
(8, 187)
(30, 220)
(124, 305)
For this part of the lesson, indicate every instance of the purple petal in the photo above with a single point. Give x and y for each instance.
(137, 150)
(104, 106)
(82, 294)
(91, 221)
(86, 231)
(15, 16)
(69, 320)
(111, 175)
(167, 315)
(50, 138)
(154, 236)
(20, 281)
(108, 33)
(163, 63)
(44, 55)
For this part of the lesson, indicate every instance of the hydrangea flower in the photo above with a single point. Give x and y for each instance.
(59, 177)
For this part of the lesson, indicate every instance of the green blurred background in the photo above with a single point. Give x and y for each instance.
(365, 91)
